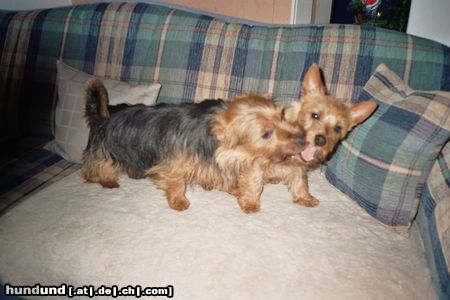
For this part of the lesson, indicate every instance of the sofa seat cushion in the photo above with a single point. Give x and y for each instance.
(82, 234)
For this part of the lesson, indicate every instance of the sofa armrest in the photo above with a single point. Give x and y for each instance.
(433, 219)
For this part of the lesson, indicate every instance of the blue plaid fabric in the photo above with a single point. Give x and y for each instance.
(26, 168)
(395, 160)
(384, 163)
(434, 222)
(193, 56)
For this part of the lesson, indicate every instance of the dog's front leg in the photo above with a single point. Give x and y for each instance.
(250, 189)
(175, 193)
(298, 187)
(174, 187)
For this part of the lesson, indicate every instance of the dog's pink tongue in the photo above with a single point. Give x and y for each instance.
(308, 153)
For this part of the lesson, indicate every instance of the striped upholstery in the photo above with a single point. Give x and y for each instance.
(434, 222)
(26, 168)
(193, 56)
(385, 163)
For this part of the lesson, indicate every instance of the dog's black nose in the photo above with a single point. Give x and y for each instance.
(301, 139)
(320, 140)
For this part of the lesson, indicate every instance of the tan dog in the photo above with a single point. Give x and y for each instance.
(214, 144)
(325, 121)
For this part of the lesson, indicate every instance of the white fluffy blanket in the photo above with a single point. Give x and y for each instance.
(82, 234)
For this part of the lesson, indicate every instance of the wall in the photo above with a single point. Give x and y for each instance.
(268, 11)
(32, 4)
(265, 11)
(430, 19)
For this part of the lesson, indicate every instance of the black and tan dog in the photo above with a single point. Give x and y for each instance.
(214, 144)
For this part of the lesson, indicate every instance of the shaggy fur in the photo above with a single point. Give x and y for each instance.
(325, 121)
(214, 144)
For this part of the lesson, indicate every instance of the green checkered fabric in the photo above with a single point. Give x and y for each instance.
(384, 163)
(398, 158)
(193, 56)
(26, 168)
(434, 222)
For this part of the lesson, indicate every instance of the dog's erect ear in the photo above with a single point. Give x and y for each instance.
(361, 111)
(313, 83)
(291, 112)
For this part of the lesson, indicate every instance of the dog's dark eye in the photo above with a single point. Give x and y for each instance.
(315, 116)
(267, 135)
(337, 129)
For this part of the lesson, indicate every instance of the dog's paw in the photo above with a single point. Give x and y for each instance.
(308, 202)
(110, 184)
(179, 204)
(249, 207)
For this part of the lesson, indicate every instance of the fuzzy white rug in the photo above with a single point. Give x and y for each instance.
(82, 234)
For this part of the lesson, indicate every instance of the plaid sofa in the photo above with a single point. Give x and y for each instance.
(194, 57)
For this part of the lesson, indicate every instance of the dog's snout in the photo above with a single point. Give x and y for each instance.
(320, 140)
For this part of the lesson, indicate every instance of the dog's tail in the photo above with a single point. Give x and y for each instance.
(96, 109)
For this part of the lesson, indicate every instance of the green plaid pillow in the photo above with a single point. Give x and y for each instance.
(384, 163)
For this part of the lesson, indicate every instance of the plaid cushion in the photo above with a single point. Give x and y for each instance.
(434, 222)
(26, 168)
(71, 131)
(194, 56)
(384, 163)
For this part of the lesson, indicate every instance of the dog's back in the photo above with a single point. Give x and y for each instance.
(145, 136)
(141, 137)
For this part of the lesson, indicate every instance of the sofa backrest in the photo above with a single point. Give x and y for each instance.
(193, 56)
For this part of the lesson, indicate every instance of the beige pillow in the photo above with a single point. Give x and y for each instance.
(71, 131)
